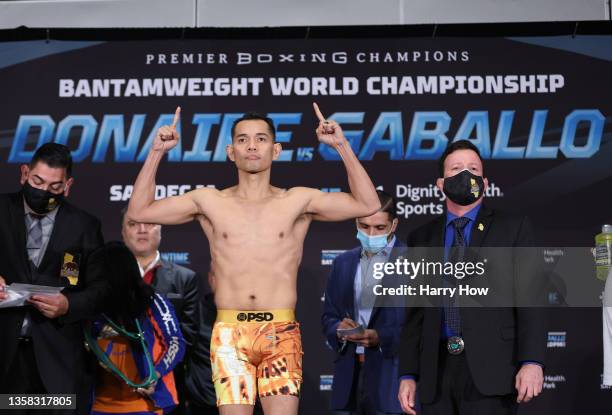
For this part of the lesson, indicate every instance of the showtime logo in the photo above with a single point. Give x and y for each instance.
(557, 339)
(180, 258)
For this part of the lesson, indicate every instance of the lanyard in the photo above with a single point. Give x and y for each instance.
(108, 364)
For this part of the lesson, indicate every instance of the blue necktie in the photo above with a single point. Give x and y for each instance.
(452, 316)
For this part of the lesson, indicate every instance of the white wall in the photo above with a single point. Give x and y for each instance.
(481, 11)
(97, 13)
(265, 13)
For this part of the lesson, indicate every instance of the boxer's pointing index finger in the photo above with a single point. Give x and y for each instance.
(177, 116)
(318, 112)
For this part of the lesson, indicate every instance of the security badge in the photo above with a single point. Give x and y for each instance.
(455, 345)
(70, 268)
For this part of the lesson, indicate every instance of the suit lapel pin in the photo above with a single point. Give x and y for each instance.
(480, 227)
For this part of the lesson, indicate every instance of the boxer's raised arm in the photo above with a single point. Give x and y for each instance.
(143, 207)
(336, 206)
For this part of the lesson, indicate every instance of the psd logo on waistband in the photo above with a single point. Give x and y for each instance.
(248, 317)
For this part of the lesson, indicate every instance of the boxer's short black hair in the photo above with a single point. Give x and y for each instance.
(254, 116)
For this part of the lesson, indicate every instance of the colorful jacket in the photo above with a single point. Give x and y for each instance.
(165, 344)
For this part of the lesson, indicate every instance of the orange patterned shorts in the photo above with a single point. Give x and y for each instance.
(255, 351)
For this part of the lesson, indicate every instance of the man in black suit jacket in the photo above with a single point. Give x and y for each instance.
(46, 241)
(177, 283)
(201, 391)
(470, 360)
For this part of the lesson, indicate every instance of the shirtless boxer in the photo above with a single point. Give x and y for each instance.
(256, 234)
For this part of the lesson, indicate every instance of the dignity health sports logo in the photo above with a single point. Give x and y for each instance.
(328, 255)
(552, 381)
(557, 339)
(326, 382)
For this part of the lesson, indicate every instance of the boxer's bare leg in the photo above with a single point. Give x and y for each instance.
(236, 409)
(280, 405)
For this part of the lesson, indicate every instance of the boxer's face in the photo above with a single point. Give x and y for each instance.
(141, 238)
(379, 223)
(253, 147)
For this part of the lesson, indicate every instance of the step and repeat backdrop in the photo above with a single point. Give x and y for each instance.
(539, 110)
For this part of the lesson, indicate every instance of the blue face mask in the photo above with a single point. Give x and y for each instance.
(372, 244)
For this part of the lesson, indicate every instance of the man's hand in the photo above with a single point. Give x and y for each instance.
(147, 392)
(328, 131)
(3, 293)
(369, 338)
(407, 395)
(347, 323)
(50, 306)
(529, 381)
(167, 137)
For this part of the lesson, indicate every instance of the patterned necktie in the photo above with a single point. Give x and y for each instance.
(34, 246)
(35, 236)
(451, 311)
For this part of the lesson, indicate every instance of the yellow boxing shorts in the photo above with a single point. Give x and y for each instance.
(255, 351)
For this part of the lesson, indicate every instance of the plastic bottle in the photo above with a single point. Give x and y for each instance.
(603, 252)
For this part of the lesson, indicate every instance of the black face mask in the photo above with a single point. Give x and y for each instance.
(464, 188)
(41, 201)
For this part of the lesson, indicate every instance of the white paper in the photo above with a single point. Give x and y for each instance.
(349, 332)
(607, 331)
(19, 293)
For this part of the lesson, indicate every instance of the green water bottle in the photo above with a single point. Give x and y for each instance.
(603, 252)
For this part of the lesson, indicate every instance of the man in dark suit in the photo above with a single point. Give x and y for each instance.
(44, 240)
(177, 283)
(201, 391)
(477, 359)
(365, 370)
